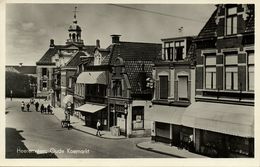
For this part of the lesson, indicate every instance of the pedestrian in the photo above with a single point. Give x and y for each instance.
(22, 106)
(28, 107)
(36, 106)
(98, 128)
(42, 108)
(45, 108)
(49, 108)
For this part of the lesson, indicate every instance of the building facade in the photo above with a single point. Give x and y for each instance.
(59, 63)
(114, 86)
(222, 118)
(174, 91)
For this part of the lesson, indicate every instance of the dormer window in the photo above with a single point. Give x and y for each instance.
(231, 20)
(97, 58)
(174, 50)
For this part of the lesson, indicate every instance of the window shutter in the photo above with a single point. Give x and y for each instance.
(163, 87)
(183, 87)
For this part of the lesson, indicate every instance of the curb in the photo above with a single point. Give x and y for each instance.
(95, 135)
(160, 152)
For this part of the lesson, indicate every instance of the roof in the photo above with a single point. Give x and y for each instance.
(135, 55)
(75, 60)
(133, 69)
(22, 69)
(210, 28)
(250, 23)
(46, 58)
(131, 51)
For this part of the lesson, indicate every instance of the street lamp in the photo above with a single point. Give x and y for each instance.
(33, 85)
(126, 112)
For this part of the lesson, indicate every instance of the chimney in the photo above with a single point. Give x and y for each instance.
(51, 43)
(98, 43)
(115, 38)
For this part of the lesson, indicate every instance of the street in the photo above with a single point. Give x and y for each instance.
(36, 135)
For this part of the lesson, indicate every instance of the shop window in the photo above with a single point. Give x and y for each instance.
(138, 117)
(231, 21)
(210, 72)
(163, 87)
(162, 129)
(211, 143)
(183, 87)
(238, 145)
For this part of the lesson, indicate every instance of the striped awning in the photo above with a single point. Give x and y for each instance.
(237, 120)
(92, 77)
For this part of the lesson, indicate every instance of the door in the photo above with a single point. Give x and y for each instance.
(121, 123)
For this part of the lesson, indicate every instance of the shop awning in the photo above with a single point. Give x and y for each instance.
(90, 108)
(229, 119)
(92, 77)
(167, 114)
(68, 98)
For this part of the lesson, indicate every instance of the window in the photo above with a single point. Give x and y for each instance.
(162, 129)
(163, 87)
(251, 71)
(231, 71)
(183, 87)
(231, 21)
(70, 82)
(44, 71)
(44, 85)
(138, 117)
(179, 53)
(210, 70)
(168, 51)
(179, 45)
(117, 88)
(173, 50)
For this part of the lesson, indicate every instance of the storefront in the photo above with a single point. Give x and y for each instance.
(92, 113)
(166, 126)
(221, 130)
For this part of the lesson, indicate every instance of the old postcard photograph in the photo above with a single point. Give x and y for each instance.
(129, 81)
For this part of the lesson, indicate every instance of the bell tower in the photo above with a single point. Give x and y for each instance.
(75, 31)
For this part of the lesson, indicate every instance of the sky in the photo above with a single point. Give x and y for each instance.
(29, 27)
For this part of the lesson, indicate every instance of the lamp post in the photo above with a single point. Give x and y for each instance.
(11, 94)
(114, 114)
(126, 112)
(33, 85)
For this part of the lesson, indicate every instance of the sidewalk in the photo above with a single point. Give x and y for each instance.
(79, 125)
(168, 150)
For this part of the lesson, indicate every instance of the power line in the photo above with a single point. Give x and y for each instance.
(155, 12)
(163, 14)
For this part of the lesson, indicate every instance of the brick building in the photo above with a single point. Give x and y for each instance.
(113, 86)
(222, 118)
